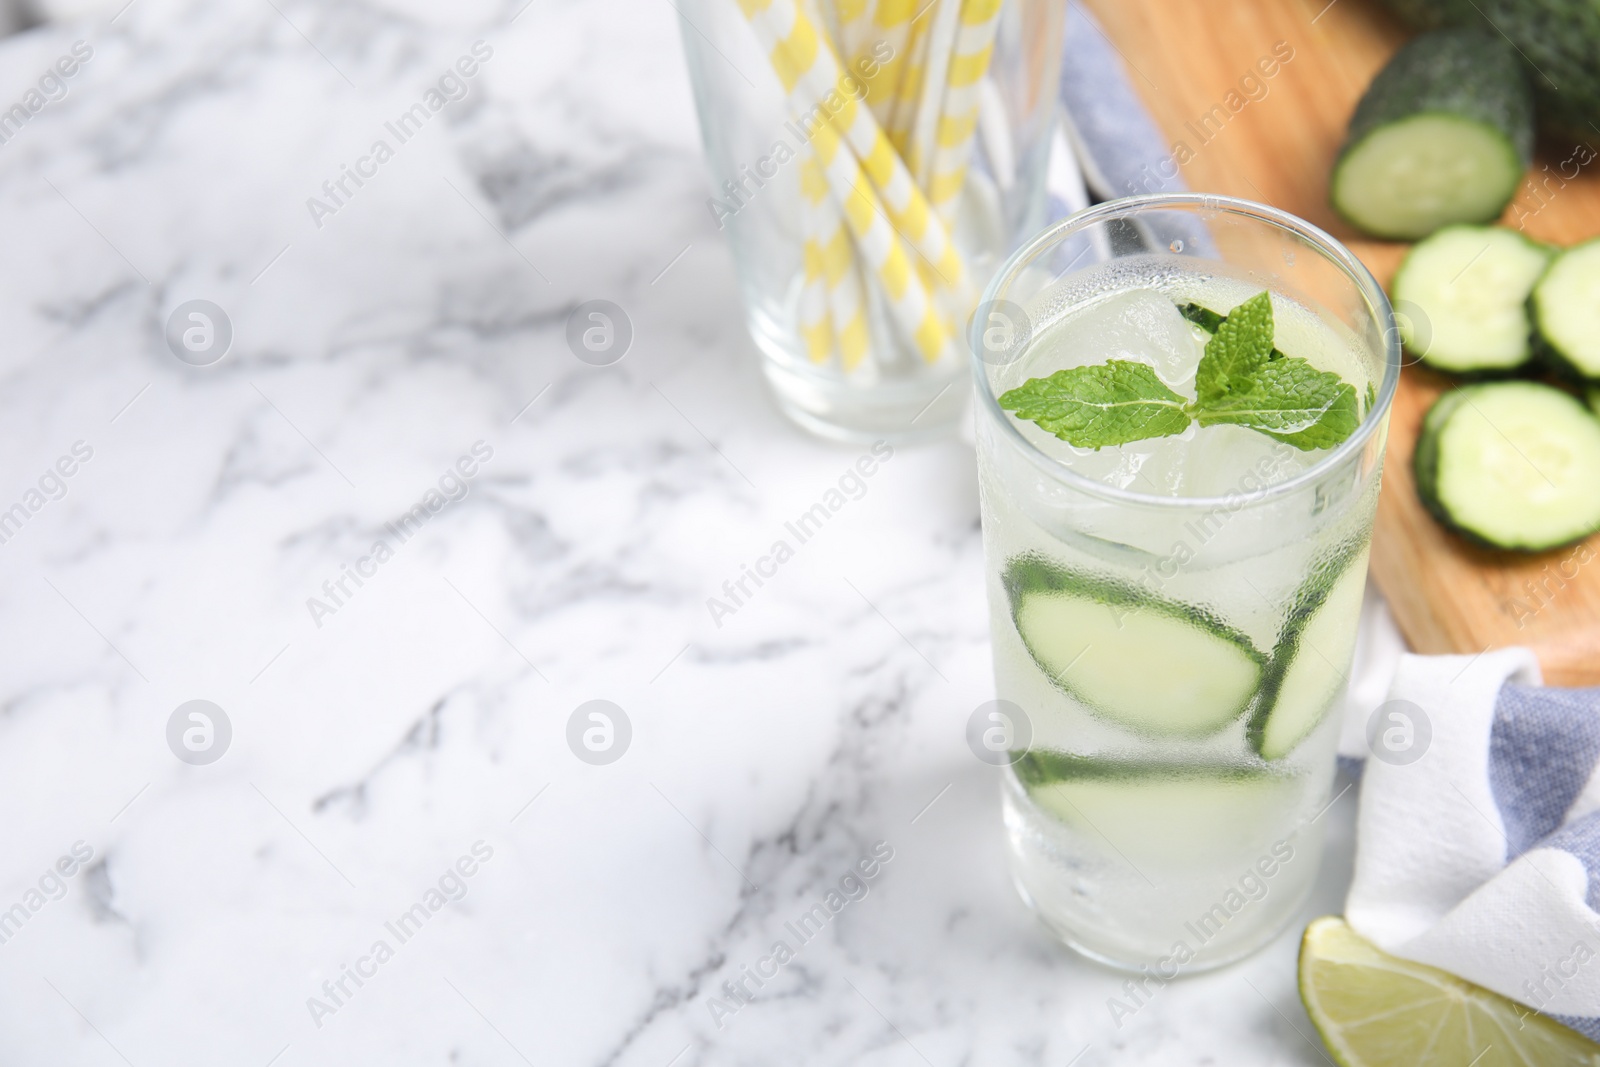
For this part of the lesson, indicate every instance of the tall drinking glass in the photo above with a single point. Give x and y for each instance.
(1173, 618)
(859, 269)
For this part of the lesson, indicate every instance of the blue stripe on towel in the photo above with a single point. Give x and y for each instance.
(1130, 155)
(1120, 149)
(1589, 1028)
(1542, 752)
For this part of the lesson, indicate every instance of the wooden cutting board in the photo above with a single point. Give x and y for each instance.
(1185, 58)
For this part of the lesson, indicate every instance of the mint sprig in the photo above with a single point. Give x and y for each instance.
(1111, 403)
(1238, 351)
(1242, 380)
(1291, 401)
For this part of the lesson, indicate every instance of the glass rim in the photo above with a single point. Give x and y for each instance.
(1331, 248)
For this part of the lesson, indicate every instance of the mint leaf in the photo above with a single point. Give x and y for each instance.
(1243, 380)
(1111, 403)
(1239, 348)
(1291, 401)
(1337, 422)
(1209, 320)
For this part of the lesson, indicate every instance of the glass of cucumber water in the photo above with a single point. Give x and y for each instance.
(1183, 402)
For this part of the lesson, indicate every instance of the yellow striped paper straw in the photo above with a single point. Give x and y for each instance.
(815, 320)
(854, 19)
(903, 109)
(809, 70)
(888, 29)
(945, 21)
(862, 39)
(831, 277)
(907, 293)
(908, 296)
(873, 186)
(816, 324)
(846, 299)
(845, 303)
(958, 119)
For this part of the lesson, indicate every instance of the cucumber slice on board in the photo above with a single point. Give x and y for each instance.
(1311, 661)
(1180, 812)
(1442, 135)
(1152, 665)
(1425, 460)
(1512, 465)
(1565, 307)
(1470, 285)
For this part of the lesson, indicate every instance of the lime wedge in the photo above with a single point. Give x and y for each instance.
(1374, 1010)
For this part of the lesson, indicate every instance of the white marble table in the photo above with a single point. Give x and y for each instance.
(414, 726)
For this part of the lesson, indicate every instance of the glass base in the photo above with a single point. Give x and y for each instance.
(865, 415)
(893, 396)
(1170, 915)
(908, 411)
(1135, 964)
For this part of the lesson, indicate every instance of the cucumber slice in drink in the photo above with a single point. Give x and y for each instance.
(1470, 285)
(1443, 134)
(1152, 665)
(1512, 465)
(1203, 317)
(1566, 311)
(1166, 812)
(1311, 661)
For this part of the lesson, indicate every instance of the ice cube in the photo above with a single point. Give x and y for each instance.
(1155, 466)
(1224, 460)
(1143, 325)
(1140, 325)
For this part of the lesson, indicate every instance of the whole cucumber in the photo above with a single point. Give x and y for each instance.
(1443, 135)
(1558, 42)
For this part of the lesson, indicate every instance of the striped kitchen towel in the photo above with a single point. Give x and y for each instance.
(1119, 147)
(1107, 145)
(1478, 847)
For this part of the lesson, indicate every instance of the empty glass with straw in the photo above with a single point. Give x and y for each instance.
(872, 163)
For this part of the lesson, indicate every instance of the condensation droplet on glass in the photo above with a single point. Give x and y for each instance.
(1176, 246)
